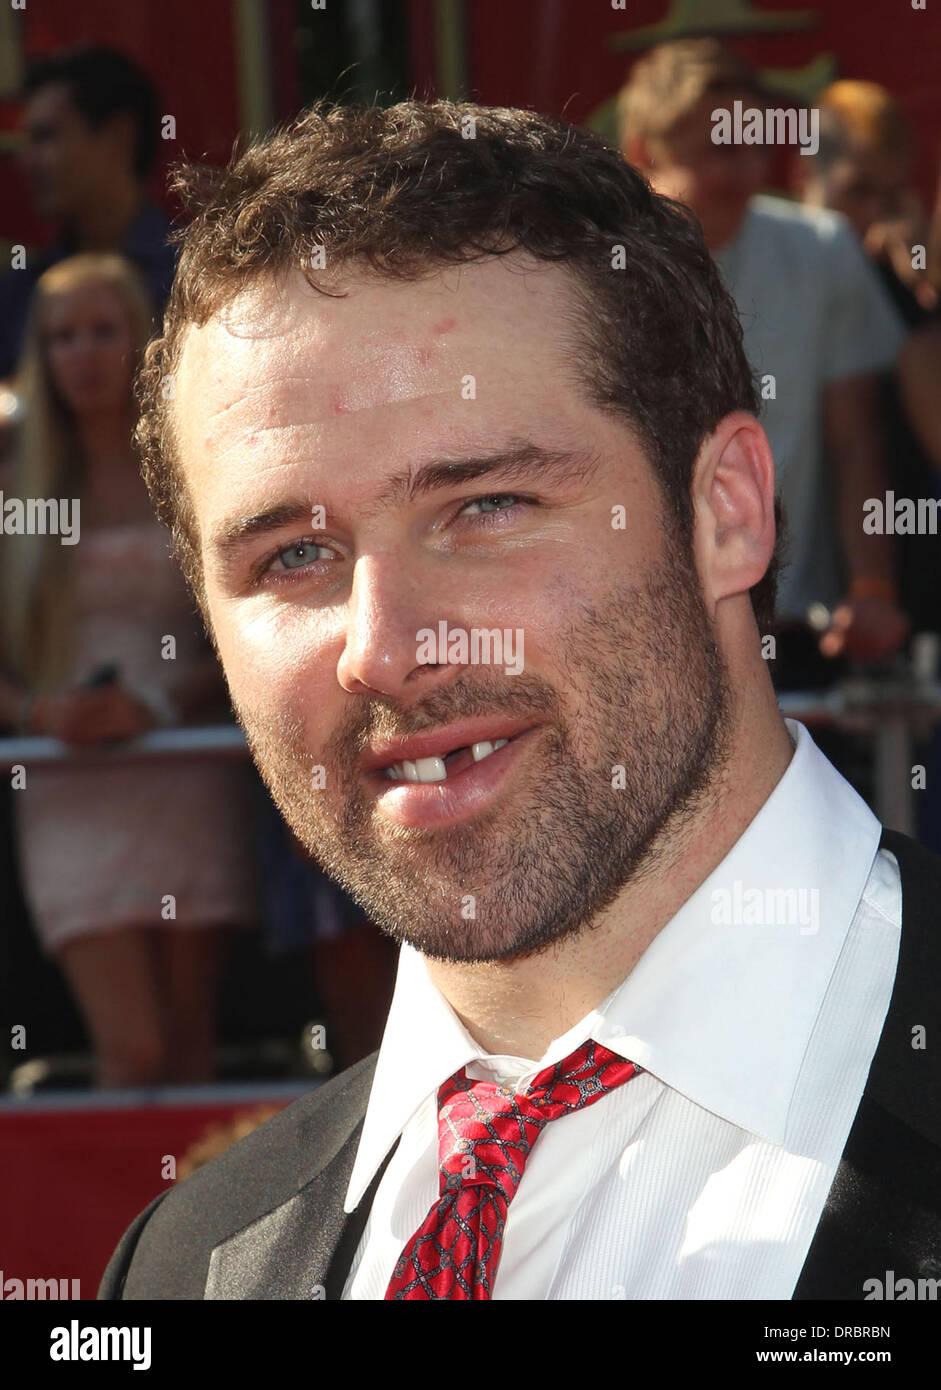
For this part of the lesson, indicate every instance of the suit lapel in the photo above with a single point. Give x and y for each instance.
(303, 1247)
(286, 1253)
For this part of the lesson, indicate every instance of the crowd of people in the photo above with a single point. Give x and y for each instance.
(135, 872)
(837, 313)
(836, 281)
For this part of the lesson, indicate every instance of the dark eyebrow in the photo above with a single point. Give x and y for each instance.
(237, 530)
(524, 462)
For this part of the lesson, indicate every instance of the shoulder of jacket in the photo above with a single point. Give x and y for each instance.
(170, 1244)
(293, 1145)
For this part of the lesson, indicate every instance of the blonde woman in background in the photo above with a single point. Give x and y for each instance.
(132, 869)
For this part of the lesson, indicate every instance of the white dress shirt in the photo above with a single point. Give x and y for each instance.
(755, 1018)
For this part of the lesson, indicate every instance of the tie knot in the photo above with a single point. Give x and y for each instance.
(485, 1134)
(486, 1131)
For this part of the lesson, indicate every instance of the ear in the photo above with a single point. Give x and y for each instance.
(733, 504)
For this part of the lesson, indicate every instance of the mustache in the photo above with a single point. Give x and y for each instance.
(380, 719)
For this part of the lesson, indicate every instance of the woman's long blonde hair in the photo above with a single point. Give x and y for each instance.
(34, 590)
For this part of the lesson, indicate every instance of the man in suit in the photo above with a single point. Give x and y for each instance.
(454, 428)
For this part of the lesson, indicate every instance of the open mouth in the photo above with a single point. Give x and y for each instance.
(445, 786)
(439, 769)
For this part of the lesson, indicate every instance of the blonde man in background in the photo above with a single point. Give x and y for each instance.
(818, 330)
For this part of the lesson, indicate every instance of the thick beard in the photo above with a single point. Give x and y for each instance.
(652, 698)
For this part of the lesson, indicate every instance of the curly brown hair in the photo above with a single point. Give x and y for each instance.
(407, 189)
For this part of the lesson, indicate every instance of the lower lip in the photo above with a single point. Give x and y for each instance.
(426, 805)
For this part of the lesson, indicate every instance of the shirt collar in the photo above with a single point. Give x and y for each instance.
(721, 1005)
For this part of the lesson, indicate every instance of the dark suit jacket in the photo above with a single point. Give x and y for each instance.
(265, 1219)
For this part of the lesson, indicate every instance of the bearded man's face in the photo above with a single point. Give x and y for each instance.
(466, 645)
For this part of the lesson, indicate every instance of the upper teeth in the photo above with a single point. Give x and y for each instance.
(434, 769)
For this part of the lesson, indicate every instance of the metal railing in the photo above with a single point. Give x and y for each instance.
(893, 710)
(218, 740)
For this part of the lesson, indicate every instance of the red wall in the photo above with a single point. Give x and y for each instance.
(75, 1178)
(555, 55)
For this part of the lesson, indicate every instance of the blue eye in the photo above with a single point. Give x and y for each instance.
(297, 555)
(504, 501)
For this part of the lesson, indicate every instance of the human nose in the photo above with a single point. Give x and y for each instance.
(387, 608)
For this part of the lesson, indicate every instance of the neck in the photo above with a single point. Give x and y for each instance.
(517, 1007)
(102, 224)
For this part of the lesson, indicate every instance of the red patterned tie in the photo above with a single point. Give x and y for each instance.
(485, 1134)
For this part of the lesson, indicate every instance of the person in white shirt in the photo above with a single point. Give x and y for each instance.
(483, 525)
(819, 328)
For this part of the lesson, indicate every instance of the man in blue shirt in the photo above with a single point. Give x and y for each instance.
(90, 127)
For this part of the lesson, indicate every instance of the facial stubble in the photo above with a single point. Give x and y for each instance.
(641, 687)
